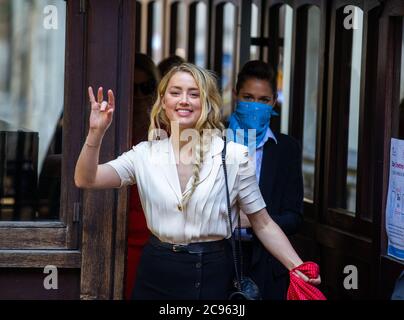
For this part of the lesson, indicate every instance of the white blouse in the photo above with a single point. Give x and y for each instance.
(151, 165)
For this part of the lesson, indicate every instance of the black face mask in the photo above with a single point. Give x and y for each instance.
(145, 88)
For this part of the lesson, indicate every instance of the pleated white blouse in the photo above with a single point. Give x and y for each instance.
(152, 166)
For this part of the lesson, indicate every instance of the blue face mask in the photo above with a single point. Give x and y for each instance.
(251, 115)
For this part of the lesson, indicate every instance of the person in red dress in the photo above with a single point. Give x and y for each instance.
(145, 84)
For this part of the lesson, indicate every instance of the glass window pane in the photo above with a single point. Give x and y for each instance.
(284, 62)
(354, 103)
(32, 49)
(265, 34)
(254, 50)
(310, 100)
(229, 32)
(201, 33)
(157, 41)
(180, 37)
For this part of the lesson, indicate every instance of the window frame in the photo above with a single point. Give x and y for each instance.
(192, 32)
(63, 234)
(296, 119)
(274, 43)
(334, 216)
(216, 52)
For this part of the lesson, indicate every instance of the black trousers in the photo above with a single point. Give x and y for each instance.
(167, 275)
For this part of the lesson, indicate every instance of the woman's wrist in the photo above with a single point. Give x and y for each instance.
(88, 144)
(294, 264)
(93, 139)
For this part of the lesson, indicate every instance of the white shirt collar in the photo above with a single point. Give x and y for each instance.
(268, 134)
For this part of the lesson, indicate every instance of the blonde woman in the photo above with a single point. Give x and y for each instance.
(182, 189)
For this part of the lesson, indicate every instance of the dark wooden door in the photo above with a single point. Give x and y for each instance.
(86, 239)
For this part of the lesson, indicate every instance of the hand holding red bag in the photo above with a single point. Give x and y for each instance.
(300, 289)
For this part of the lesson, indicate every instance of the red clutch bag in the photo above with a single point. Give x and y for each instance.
(301, 290)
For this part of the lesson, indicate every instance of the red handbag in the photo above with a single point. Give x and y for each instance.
(301, 290)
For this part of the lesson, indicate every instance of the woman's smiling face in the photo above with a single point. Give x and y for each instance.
(181, 100)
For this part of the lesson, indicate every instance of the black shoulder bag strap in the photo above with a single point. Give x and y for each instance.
(237, 258)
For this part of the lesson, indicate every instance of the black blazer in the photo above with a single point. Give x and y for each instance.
(281, 182)
(281, 185)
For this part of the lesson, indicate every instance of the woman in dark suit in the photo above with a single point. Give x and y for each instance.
(278, 170)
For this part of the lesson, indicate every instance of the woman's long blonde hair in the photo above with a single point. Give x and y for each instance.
(211, 102)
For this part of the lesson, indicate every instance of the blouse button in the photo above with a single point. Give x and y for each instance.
(179, 207)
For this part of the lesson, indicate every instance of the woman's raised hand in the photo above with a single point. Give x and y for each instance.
(101, 111)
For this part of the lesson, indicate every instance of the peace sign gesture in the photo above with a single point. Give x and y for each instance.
(101, 111)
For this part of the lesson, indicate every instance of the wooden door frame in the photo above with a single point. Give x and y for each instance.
(103, 55)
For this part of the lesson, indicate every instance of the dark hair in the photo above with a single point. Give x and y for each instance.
(257, 69)
(168, 63)
(146, 64)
